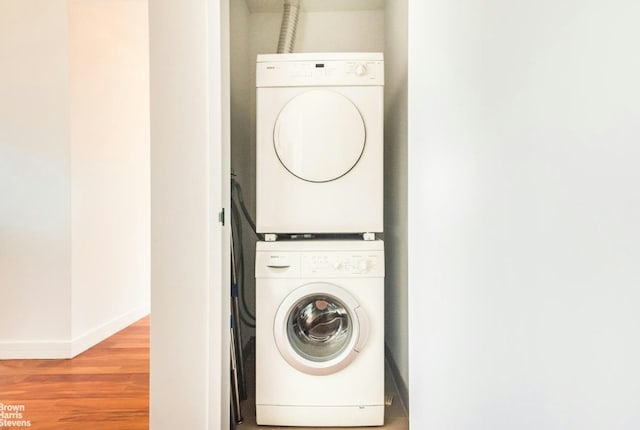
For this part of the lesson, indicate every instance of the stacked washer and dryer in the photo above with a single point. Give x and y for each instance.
(320, 270)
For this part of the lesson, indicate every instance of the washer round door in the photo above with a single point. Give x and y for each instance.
(320, 328)
(319, 136)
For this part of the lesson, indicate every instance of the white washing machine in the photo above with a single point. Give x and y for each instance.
(320, 333)
(319, 143)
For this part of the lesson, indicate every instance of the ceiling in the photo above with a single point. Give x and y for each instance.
(260, 6)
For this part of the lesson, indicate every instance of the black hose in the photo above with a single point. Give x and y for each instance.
(236, 231)
(237, 204)
(238, 189)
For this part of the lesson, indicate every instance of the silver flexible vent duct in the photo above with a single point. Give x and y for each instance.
(288, 26)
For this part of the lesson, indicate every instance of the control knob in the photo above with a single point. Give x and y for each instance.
(361, 70)
(363, 266)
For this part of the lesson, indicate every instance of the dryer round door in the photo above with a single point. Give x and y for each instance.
(320, 328)
(319, 136)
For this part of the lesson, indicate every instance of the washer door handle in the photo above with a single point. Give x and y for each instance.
(363, 332)
(279, 266)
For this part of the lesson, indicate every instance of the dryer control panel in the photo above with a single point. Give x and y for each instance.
(365, 70)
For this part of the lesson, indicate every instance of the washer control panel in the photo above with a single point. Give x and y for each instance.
(327, 259)
(342, 264)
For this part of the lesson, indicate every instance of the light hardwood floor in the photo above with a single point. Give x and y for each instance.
(107, 388)
(104, 388)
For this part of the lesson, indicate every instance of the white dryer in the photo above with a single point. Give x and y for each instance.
(320, 333)
(319, 154)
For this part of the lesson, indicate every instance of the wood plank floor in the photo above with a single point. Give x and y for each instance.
(104, 388)
(107, 388)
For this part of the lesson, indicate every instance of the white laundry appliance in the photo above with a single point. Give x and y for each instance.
(319, 143)
(320, 333)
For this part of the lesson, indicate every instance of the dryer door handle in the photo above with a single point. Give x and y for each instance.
(363, 332)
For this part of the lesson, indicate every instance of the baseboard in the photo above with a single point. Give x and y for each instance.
(403, 391)
(108, 329)
(28, 350)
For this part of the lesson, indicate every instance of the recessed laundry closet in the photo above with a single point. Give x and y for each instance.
(318, 108)
(519, 166)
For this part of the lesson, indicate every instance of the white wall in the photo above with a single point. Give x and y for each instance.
(395, 187)
(35, 219)
(109, 70)
(344, 31)
(189, 272)
(523, 222)
(74, 217)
